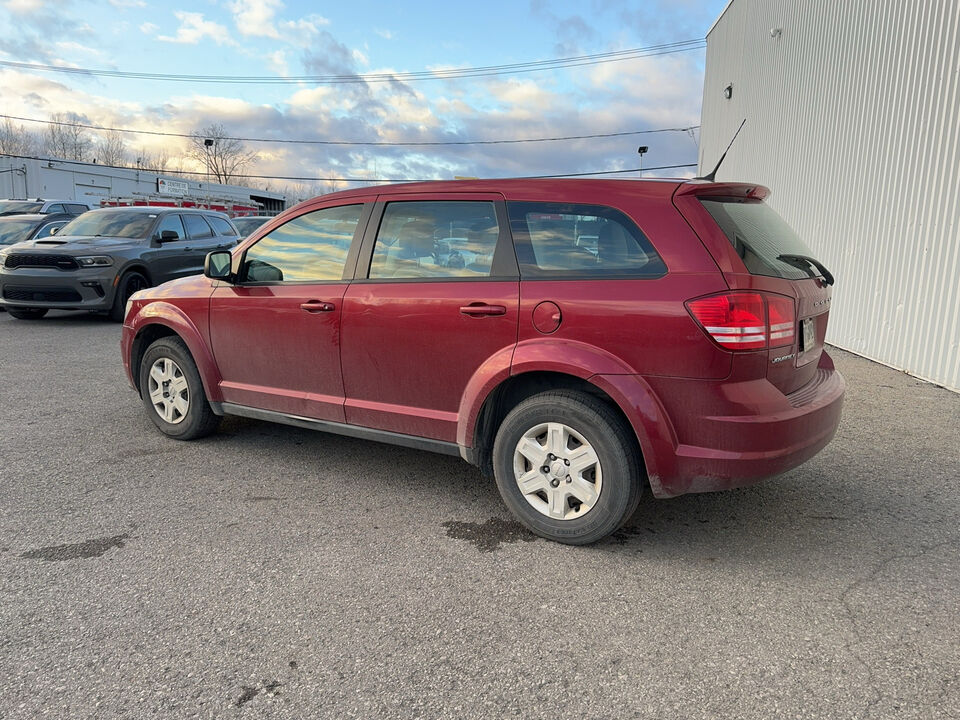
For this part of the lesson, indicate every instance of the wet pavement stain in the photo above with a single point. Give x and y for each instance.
(489, 535)
(76, 551)
(272, 689)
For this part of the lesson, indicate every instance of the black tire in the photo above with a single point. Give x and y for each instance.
(27, 313)
(129, 283)
(614, 445)
(199, 419)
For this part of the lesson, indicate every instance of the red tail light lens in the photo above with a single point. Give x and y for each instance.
(782, 319)
(746, 320)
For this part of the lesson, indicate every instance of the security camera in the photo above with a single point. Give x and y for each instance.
(776, 32)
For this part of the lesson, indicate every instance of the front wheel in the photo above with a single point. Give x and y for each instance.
(172, 391)
(27, 313)
(567, 466)
(129, 283)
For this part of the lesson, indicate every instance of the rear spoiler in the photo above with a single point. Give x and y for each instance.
(704, 188)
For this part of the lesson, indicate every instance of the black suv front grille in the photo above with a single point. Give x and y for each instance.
(48, 294)
(61, 262)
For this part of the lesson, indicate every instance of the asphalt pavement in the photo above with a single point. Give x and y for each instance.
(273, 572)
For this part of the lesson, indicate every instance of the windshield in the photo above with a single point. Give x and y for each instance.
(14, 231)
(248, 224)
(111, 223)
(759, 236)
(19, 206)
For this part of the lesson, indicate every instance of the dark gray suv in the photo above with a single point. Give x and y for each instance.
(98, 260)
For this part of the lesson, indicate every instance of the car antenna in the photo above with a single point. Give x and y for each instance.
(713, 174)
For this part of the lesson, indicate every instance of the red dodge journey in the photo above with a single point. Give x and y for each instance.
(579, 340)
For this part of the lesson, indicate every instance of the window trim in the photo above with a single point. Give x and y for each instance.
(350, 262)
(502, 268)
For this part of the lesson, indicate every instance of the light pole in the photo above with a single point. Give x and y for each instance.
(642, 151)
(207, 144)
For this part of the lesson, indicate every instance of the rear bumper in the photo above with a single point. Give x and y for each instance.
(763, 432)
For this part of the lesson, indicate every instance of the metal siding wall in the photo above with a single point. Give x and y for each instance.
(853, 121)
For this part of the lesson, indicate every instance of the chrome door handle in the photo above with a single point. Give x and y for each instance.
(483, 310)
(315, 306)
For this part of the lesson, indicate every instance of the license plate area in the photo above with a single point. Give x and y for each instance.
(808, 335)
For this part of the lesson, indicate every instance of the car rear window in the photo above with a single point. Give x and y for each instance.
(759, 235)
(436, 239)
(580, 241)
(221, 226)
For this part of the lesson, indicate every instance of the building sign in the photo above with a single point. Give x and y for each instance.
(171, 187)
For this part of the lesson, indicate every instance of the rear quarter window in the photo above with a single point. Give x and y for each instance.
(580, 241)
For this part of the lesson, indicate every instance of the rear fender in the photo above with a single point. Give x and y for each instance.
(629, 391)
(161, 313)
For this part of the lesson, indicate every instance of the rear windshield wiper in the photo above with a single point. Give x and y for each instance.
(804, 262)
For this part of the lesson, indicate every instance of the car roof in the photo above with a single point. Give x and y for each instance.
(517, 186)
(29, 216)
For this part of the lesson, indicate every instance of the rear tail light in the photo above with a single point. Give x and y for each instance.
(746, 320)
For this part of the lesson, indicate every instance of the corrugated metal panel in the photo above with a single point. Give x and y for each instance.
(853, 121)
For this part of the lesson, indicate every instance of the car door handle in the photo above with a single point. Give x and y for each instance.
(315, 306)
(482, 309)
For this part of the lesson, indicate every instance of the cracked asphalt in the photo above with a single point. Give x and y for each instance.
(272, 572)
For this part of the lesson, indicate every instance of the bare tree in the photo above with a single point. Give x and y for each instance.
(112, 149)
(154, 161)
(66, 140)
(224, 157)
(16, 139)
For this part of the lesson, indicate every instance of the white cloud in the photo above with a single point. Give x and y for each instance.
(23, 7)
(277, 61)
(255, 17)
(148, 28)
(193, 28)
(70, 46)
(385, 34)
(126, 4)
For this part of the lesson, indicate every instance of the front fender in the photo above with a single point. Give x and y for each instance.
(170, 316)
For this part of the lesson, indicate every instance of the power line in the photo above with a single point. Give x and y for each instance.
(448, 74)
(344, 179)
(356, 142)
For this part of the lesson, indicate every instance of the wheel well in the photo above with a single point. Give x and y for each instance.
(144, 339)
(514, 390)
(142, 270)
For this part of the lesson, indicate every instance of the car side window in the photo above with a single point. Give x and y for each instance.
(580, 241)
(76, 209)
(310, 248)
(58, 208)
(222, 226)
(46, 230)
(171, 222)
(435, 239)
(197, 227)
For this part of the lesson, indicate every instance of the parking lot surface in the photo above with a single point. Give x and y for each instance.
(273, 572)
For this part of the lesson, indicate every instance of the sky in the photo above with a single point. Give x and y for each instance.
(283, 38)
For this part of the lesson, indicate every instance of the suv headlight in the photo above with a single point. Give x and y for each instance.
(95, 261)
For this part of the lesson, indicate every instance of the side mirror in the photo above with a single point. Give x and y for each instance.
(168, 236)
(216, 266)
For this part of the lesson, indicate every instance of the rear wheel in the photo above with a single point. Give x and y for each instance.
(27, 313)
(129, 283)
(567, 467)
(172, 391)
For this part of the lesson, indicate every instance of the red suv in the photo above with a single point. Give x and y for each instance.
(577, 339)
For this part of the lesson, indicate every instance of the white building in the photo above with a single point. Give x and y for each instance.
(853, 122)
(99, 185)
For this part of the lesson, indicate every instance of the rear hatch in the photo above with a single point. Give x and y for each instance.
(758, 252)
